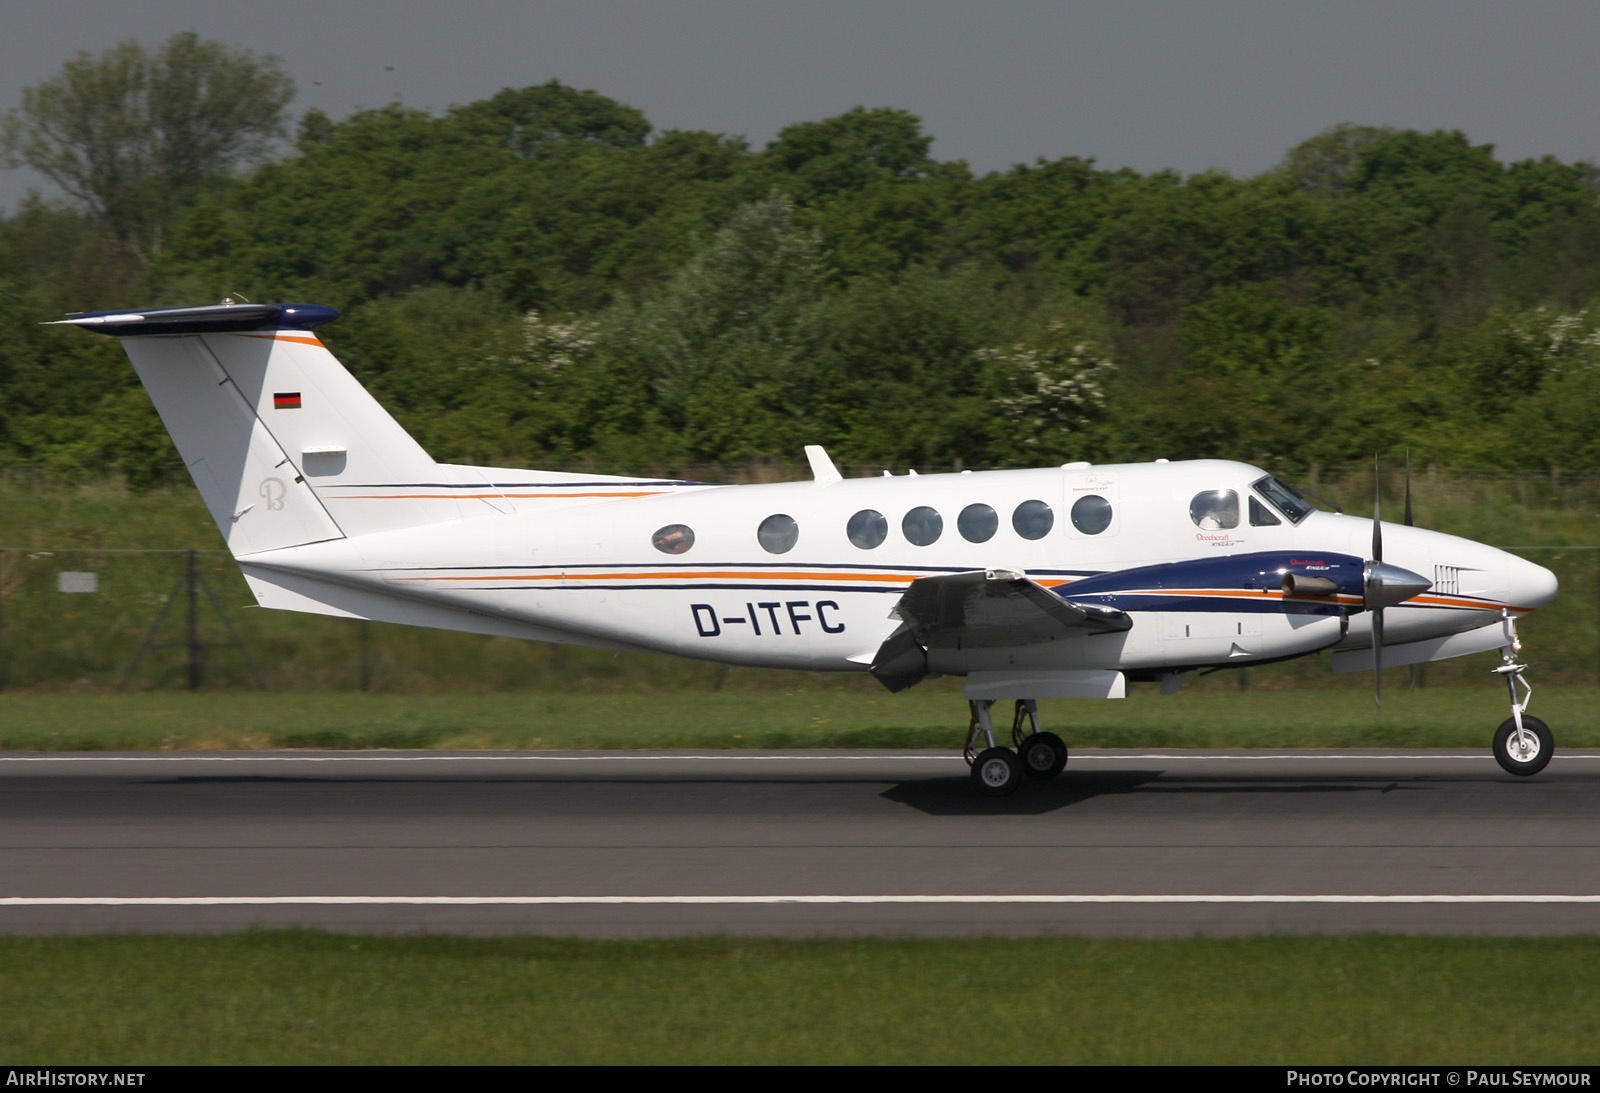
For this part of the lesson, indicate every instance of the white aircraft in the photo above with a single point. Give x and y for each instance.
(1064, 582)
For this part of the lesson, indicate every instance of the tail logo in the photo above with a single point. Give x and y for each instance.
(273, 490)
(286, 400)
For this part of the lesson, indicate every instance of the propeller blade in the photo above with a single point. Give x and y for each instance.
(1377, 516)
(1374, 583)
(1385, 585)
(1410, 523)
(1377, 657)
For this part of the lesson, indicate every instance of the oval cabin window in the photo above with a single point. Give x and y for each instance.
(778, 534)
(867, 529)
(1092, 514)
(977, 523)
(673, 539)
(922, 526)
(1033, 519)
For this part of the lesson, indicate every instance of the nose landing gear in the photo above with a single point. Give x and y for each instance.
(1523, 744)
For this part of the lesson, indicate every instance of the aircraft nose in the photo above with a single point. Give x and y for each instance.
(1529, 585)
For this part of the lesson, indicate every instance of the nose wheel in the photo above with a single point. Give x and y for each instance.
(1523, 749)
(1523, 744)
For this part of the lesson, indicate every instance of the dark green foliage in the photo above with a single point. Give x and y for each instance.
(551, 119)
(538, 279)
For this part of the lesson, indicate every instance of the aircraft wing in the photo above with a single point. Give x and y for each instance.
(980, 609)
(997, 607)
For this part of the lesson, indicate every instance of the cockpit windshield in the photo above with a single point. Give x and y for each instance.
(1288, 500)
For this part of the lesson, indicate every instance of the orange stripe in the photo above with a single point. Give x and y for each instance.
(454, 496)
(286, 338)
(1447, 601)
(1267, 594)
(690, 575)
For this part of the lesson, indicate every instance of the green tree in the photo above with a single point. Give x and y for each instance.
(552, 117)
(724, 345)
(1322, 165)
(133, 132)
(850, 151)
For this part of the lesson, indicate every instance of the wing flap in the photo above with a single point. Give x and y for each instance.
(993, 607)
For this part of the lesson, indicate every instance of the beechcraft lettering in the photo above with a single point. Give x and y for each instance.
(1059, 582)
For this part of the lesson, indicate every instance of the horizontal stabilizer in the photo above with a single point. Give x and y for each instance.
(211, 319)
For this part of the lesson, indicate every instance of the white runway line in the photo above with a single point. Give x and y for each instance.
(477, 901)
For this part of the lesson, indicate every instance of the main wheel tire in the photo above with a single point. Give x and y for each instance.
(1529, 755)
(996, 772)
(1043, 755)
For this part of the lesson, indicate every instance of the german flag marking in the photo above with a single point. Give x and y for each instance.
(286, 400)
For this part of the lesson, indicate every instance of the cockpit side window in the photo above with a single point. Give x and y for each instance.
(1288, 500)
(1215, 510)
(1261, 516)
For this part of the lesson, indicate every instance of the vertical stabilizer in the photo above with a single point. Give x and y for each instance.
(284, 444)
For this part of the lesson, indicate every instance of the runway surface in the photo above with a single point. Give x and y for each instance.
(622, 844)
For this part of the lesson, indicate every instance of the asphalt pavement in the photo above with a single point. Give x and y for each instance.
(1133, 843)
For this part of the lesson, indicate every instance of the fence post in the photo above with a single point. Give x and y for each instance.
(194, 624)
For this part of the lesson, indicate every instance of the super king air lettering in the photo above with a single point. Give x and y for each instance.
(710, 623)
(1054, 582)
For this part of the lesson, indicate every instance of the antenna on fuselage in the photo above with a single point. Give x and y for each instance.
(822, 468)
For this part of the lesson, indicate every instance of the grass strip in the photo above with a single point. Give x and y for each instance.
(758, 719)
(288, 997)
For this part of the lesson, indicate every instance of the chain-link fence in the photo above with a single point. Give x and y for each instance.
(173, 619)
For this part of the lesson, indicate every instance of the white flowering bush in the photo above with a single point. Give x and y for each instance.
(1049, 389)
(1560, 341)
(554, 347)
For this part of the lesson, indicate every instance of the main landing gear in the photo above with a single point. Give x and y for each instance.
(997, 771)
(1522, 744)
